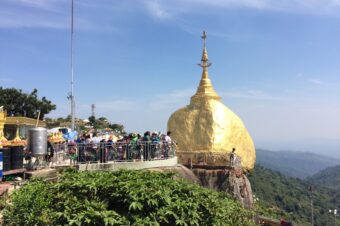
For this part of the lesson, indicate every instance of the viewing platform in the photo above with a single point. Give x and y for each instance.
(110, 156)
(111, 166)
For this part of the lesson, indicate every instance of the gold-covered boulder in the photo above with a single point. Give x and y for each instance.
(206, 131)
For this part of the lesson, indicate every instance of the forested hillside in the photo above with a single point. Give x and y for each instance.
(275, 190)
(329, 177)
(294, 163)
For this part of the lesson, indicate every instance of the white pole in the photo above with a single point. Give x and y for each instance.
(311, 204)
(72, 81)
(335, 212)
(37, 123)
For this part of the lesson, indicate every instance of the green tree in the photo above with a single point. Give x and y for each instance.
(18, 103)
(118, 128)
(102, 123)
(102, 119)
(92, 121)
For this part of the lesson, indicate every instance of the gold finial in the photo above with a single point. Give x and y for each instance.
(204, 36)
(205, 62)
(205, 88)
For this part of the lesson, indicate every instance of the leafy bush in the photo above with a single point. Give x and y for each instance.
(122, 198)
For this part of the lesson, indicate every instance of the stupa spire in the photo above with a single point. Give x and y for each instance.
(205, 61)
(205, 88)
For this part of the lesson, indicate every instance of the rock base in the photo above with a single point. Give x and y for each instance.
(230, 180)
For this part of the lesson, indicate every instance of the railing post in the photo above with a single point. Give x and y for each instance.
(141, 154)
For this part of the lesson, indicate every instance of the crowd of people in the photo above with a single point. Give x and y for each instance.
(95, 148)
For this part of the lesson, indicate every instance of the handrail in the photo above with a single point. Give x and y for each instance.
(102, 152)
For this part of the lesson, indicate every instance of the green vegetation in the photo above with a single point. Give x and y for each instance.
(294, 163)
(277, 192)
(122, 198)
(103, 123)
(18, 103)
(329, 177)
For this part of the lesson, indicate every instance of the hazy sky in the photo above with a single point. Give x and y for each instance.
(276, 63)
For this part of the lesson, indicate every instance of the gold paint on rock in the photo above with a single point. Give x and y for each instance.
(206, 130)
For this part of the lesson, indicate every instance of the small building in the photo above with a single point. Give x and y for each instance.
(15, 127)
(23, 124)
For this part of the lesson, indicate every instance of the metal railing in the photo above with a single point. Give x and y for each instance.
(103, 152)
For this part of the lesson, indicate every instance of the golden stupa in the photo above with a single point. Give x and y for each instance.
(206, 130)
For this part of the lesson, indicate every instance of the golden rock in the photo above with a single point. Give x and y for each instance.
(206, 130)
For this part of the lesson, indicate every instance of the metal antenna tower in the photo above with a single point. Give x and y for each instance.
(92, 109)
(72, 80)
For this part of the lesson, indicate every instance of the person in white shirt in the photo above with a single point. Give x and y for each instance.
(168, 138)
(232, 158)
(167, 144)
(95, 140)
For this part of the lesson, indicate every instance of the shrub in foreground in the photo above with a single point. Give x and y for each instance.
(122, 198)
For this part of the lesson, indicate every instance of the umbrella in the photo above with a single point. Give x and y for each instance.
(70, 135)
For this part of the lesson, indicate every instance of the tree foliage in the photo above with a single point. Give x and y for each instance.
(329, 177)
(118, 128)
(292, 195)
(18, 103)
(122, 198)
(103, 123)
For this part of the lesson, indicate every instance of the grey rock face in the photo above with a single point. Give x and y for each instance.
(232, 181)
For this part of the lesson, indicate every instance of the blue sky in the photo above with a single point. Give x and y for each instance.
(276, 63)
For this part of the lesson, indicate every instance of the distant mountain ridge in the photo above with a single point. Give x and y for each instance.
(329, 177)
(294, 163)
